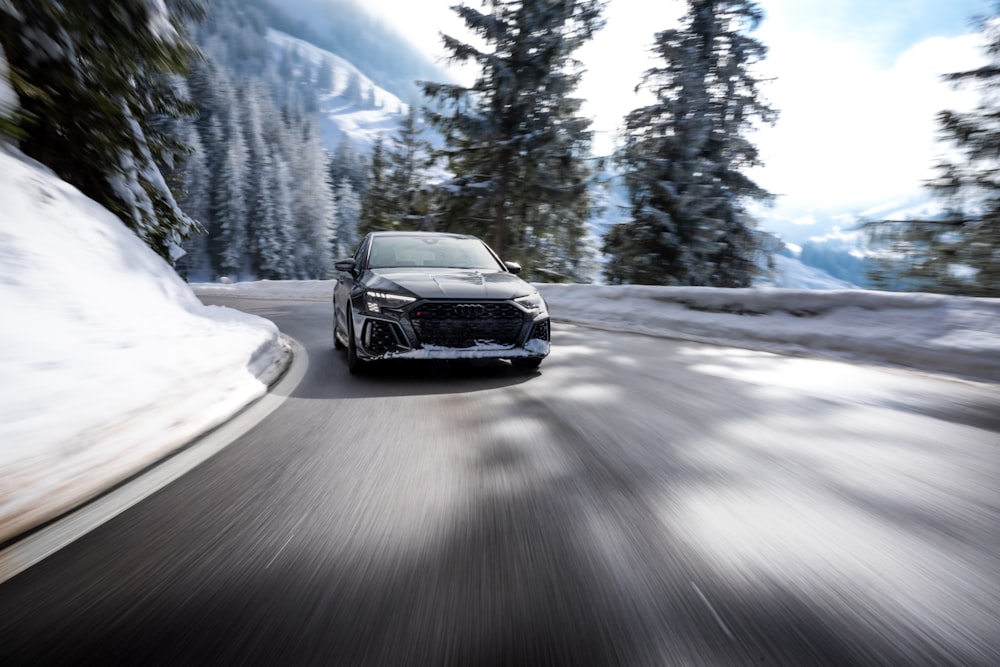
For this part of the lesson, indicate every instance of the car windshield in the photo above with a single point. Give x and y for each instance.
(431, 251)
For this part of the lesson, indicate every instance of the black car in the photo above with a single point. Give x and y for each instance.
(424, 295)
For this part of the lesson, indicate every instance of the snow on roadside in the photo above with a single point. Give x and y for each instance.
(943, 334)
(929, 332)
(107, 359)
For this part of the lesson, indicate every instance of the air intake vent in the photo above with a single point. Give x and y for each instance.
(541, 331)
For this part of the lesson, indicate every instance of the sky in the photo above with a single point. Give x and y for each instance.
(856, 83)
(84, 404)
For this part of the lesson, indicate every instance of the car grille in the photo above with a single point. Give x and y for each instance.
(461, 325)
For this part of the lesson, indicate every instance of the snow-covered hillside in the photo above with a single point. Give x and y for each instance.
(791, 273)
(107, 359)
(353, 106)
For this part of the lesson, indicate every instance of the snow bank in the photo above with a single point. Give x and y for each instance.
(930, 332)
(107, 359)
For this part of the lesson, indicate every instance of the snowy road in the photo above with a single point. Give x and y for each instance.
(640, 501)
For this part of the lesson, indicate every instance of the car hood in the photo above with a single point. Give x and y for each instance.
(450, 283)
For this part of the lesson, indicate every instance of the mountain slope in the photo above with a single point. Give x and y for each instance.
(351, 29)
(791, 273)
(349, 103)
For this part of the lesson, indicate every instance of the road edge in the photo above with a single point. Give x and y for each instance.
(41, 543)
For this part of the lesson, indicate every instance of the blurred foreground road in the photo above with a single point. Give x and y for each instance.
(638, 501)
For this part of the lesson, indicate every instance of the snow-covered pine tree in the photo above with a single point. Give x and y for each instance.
(959, 253)
(275, 239)
(348, 218)
(9, 108)
(259, 183)
(231, 256)
(346, 163)
(229, 198)
(194, 198)
(94, 76)
(685, 154)
(377, 204)
(408, 158)
(312, 204)
(514, 141)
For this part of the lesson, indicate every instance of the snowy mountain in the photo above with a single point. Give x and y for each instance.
(349, 103)
(349, 28)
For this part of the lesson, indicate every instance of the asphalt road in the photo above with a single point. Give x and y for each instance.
(638, 501)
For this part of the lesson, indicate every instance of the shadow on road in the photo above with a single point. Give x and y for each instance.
(329, 378)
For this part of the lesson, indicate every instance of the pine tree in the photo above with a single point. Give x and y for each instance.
(313, 213)
(514, 141)
(685, 154)
(275, 239)
(348, 218)
(230, 207)
(193, 196)
(259, 184)
(95, 78)
(346, 163)
(375, 205)
(9, 109)
(277, 242)
(408, 158)
(959, 253)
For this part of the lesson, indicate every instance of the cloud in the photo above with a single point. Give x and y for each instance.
(851, 134)
(615, 61)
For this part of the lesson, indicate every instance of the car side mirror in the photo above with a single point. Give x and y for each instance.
(513, 267)
(343, 265)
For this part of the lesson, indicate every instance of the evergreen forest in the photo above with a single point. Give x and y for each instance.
(206, 133)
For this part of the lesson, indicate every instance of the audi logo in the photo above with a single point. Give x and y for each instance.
(469, 310)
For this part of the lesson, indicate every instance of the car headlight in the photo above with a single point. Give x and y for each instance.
(376, 301)
(532, 301)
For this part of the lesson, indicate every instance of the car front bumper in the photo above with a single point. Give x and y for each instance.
(406, 333)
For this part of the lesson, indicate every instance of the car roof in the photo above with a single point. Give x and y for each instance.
(438, 234)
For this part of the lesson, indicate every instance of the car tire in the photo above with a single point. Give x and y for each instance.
(354, 364)
(526, 363)
(337, 345)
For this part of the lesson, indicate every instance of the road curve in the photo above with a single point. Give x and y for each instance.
(638, 501)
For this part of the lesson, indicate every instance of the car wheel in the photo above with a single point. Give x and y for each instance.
(337, 345)
(526, 363)
(354, 364)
